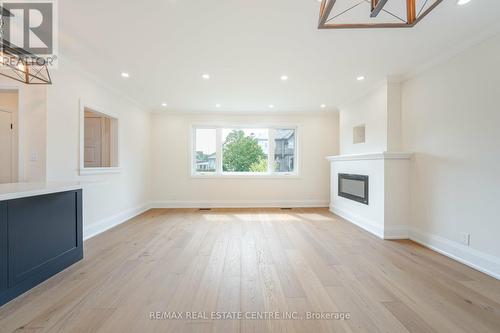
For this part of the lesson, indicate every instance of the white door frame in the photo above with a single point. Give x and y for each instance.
(11, 144)
(20, 129)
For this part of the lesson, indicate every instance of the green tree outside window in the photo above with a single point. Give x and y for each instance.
(242, 153)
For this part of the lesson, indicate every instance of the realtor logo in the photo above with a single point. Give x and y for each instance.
(29, 26)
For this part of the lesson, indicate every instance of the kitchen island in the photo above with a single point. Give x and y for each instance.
(40, 233)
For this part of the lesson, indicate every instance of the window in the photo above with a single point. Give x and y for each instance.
(205, 152)
(251, 151)
(245, 150)
(99, 142)
(284, 150)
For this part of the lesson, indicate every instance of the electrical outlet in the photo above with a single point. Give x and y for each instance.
(465, 238)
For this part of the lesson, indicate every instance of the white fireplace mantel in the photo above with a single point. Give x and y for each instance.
(371, 156)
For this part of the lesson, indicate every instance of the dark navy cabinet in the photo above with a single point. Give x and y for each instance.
(39, 237)
(4, 275)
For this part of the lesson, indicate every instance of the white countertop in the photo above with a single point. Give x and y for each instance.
(22, 190)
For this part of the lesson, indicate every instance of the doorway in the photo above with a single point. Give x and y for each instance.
(5, 147)
(9, 136)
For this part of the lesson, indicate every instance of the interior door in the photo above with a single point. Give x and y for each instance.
(93, 142)
(5, 147)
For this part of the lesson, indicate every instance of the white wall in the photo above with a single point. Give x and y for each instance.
(35, 133)
(394, 117)
(118, 195)
(451, 120)
(8, 100)
(370, 110)
(173, 185)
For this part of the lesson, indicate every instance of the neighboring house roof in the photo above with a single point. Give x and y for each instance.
(205, 157)
(284, 134)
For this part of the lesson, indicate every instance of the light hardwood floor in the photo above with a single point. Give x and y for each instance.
(296, 261)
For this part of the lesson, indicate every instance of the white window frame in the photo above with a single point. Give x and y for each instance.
(218, 146)
(101, 170)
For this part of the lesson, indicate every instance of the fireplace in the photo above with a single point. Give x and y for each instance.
(353, 187)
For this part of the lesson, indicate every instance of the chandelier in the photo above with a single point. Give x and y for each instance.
(19, 64)
(352, 14)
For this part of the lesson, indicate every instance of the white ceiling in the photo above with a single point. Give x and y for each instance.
(166, 45)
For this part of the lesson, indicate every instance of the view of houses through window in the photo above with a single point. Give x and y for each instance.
(284, 150)
(205, 149)
(244, 150)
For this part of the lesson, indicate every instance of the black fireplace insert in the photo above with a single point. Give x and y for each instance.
(353, 187)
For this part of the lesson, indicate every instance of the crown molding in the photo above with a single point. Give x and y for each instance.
(332, 111)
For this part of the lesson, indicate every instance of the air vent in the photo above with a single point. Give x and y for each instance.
(205, 209)
(286, 208)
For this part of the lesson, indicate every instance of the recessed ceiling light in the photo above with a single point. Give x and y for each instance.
(284, 77)
(271, 106)
(217, 105)
(322, 106)
(164, 104)
(205, 76)
(463, 2)
(360, 78)
(125, 75)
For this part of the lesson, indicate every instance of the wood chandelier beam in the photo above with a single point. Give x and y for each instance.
(411, 11)
(325, 10)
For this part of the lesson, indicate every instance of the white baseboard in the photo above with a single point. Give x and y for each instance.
(241, 204)
(361, 222)
(396, 232)
(478, 260)
(112, 221)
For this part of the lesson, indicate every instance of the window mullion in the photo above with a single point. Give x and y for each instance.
(271, 145)
(193, 150)
(218, 150)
